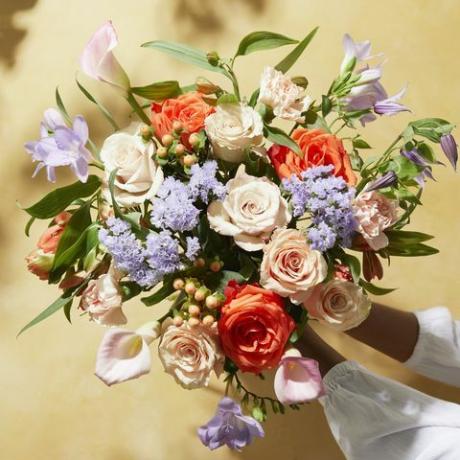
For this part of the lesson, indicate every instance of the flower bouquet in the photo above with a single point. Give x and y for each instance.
(248, 230)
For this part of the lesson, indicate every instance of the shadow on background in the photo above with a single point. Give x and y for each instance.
(10, 35)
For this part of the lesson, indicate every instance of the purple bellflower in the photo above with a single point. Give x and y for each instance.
(449, 147)
(60, 145)
(229, 427)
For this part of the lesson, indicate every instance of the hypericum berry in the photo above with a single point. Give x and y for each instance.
(212, 302)
(167, 140)
(190, 288)
(178, 284)
(193, 322)
(178, 321)
(199, 263)
(190, 160)
(179, 150)
(177, 126)
(194, 140)
(194, 310)
(162, 152)
(201, 294)
(146, 132)
(215, 266)
(208, 320)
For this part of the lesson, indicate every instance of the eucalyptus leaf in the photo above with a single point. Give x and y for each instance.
(158, 91)
(291, 58)
(261, 40)
(58, 200)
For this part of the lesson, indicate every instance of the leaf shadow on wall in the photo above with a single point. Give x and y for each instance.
(11, 35)
(211, 16)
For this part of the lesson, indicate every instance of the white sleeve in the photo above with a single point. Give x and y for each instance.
(437, 352)
(372, 417)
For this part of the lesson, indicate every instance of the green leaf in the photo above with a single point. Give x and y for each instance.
(278, 136)
(218, 281)
(403, 237)
(227, 98)
(59, 303)
(166, 290)
(373, 289)
(416, 250)
(326, 105)
(261, 40)
(129, 289)
(186, 54)
(404, 168)
(108, 116)
(432, 128)
(354, 264)
(67, 308)
(292, 57)
(158, 91)
(254, 98)
(57, 200)
(61, 107)
(29, 225)
(360, 144)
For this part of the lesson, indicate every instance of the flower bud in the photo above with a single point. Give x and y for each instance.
(162, 152)
(190, 287)
(39, 263)
(202, 293)
(177, 127)
(213, 58)
(204, 86)
(167, 140)
(190, 160)
(213, 302)
(208, 320)
(193, 322)
(194, 310)
(178, 284)
(179, 150)
(194, 140)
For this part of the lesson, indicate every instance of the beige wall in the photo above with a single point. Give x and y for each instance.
(51, 406)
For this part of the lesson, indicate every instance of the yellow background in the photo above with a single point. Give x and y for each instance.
(51, 405)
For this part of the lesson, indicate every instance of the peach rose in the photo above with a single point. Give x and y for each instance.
(190, 354)
(252, 209)
(374, 213)
(254, 327)
(190, 109)
(339, 304)
(289, 266)
(318, 149)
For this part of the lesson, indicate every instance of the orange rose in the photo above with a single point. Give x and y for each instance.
(254, 327)
(318, 148)
(190, 109)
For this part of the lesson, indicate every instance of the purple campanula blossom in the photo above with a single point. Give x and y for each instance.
(390, 105)
(387, 180)
(449, 147)
(414, 157)
(229, 427)
(354, 52)
(60, 145)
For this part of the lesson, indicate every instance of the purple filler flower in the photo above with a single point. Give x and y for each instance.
(60, 145)
(229, 426)
(449, 147)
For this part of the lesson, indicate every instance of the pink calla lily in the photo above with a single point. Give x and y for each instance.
(122, 355)
(98, 61)
(297, 379)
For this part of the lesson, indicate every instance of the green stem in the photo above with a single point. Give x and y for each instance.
(236, 87)
(97, 164)
(137, 108)
(253, 395)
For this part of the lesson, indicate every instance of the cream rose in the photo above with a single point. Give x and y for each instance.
(102, 300)
(374, 213)
(250, 212)
(340, 304)
(138, 175)
(289, 266)
(190, 354)
(280, 93)
(232, 130)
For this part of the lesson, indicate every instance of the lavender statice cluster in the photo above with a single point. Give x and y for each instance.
(175, 206)
(327, 200)
(145, 264)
